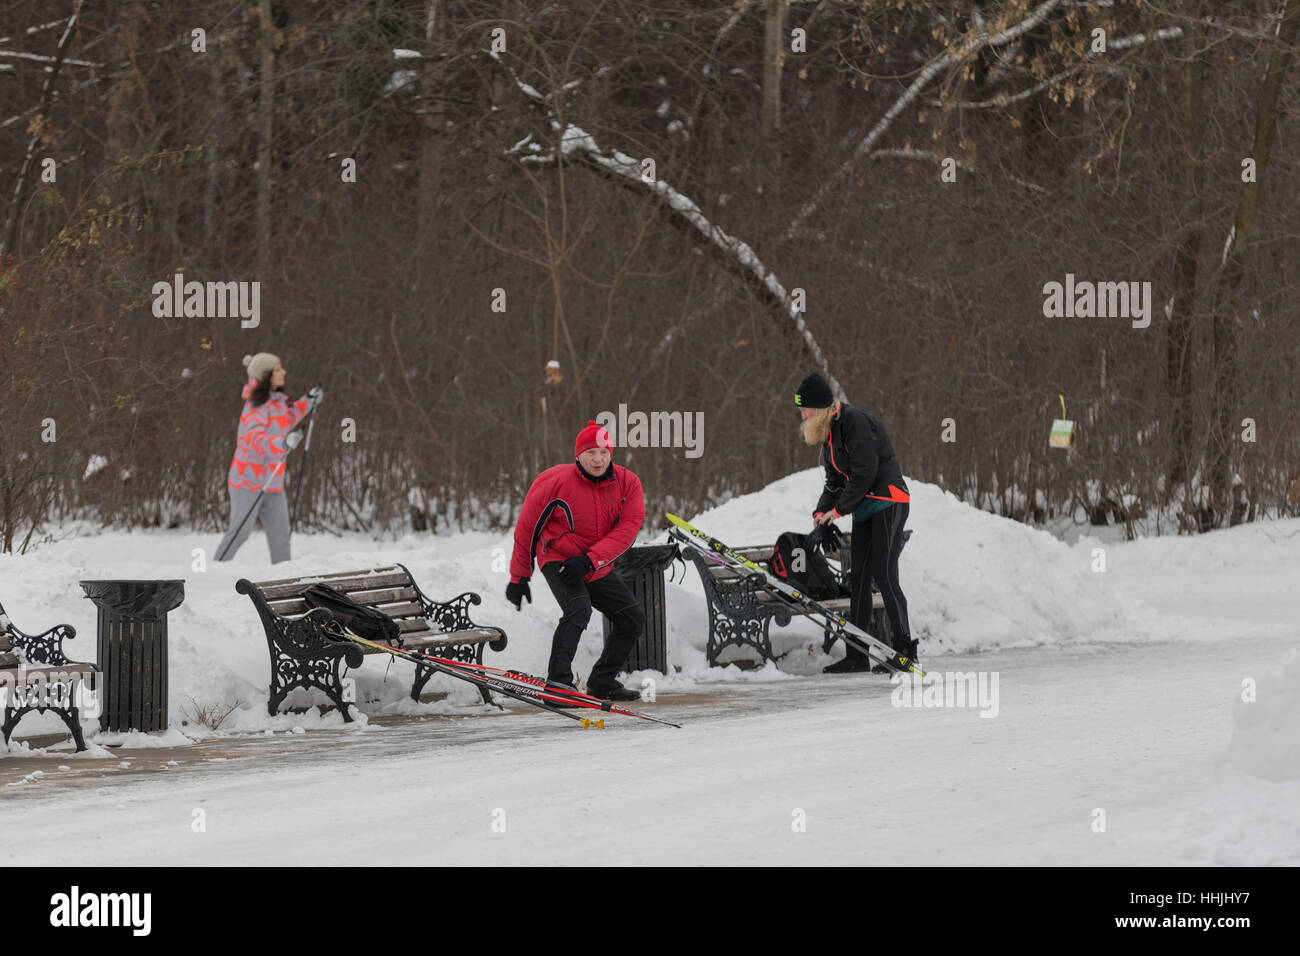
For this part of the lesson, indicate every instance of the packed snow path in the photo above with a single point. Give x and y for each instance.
(1120, 693)
(1127, 730)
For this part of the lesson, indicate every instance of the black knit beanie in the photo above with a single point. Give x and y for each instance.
(814, 393)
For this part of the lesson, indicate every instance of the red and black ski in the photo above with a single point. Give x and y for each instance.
(516, 684)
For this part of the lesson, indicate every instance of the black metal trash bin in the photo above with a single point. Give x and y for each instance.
(132, 645)
(644, 570)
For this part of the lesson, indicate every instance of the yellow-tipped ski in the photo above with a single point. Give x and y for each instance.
(873, 648)
(911, 666)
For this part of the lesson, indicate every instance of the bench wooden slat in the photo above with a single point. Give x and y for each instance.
(327, 578)
(726, 575)
(347, 583)
(759, 553)
(759, 557)
(373, 597)
(399, 612)
(77, 671)
(369, 582)
(723, 572)
(288, 607)
(835, 604)
(471, 635)
(424, 640)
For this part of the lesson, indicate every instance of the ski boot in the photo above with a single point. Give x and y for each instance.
(612, 691)
(854, 662)
(561, 687)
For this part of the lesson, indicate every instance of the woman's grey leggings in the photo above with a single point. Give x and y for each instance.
(272, 510)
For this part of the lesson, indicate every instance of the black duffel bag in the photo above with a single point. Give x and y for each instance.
(804, 568)
(360, 620)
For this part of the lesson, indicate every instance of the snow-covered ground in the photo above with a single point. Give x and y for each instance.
(1119, 735)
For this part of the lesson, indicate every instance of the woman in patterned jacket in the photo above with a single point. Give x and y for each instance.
(259, 462)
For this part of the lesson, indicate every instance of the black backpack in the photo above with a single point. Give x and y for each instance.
(800, 566)
(360, 620)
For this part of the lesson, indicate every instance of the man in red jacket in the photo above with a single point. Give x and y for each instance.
(576, 520)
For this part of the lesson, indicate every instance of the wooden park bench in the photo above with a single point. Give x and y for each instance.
(42, 678)
(301, 656)
(741, 611)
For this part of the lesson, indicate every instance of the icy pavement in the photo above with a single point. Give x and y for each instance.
(814, 770)
(1146, 714)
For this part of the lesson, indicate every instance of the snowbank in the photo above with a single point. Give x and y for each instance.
(1251, 816)
(974, 582)
(1266, 733)
(217, 649)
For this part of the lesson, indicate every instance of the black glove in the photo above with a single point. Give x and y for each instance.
(575, 568)
(824, 537)
(516, 591)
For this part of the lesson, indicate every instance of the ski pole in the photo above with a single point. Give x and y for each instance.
(306, 447)
(533, 690)
(252, 509)
(336, 631)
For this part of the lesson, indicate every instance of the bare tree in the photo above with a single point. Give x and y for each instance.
(1191, 222)
(1227, 304)
(774, 31)
(265, 133)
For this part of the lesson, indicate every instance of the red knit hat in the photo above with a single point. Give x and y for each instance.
(593, 436)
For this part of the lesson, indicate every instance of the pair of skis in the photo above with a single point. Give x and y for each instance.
(853, 636)
(520, 686)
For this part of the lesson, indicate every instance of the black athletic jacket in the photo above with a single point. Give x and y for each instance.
(859, 460)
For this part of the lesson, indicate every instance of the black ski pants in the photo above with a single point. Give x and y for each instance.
(876, 546)
(612, 597)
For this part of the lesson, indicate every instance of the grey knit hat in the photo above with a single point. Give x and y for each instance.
(261, 364)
